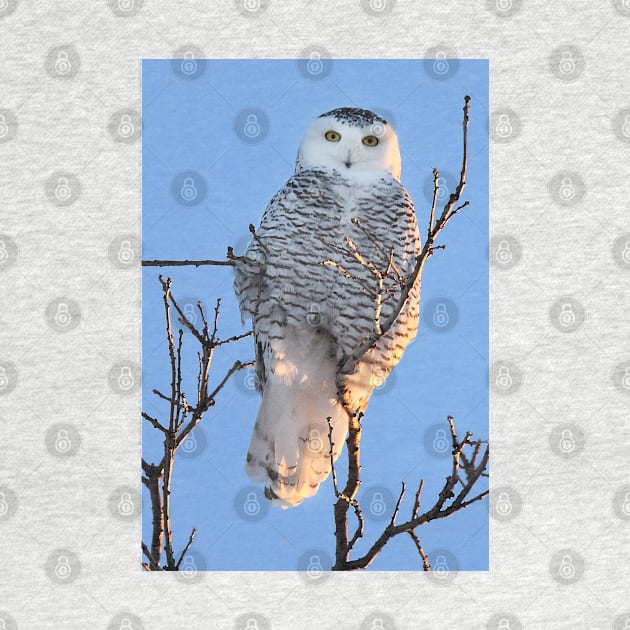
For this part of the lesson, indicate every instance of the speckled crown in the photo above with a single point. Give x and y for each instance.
(354, 116)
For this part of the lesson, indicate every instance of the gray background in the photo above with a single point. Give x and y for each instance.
(70, 318)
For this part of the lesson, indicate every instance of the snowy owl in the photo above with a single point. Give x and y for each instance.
(312, 303)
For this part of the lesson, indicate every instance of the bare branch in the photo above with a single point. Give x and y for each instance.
(332, 456)
(157, 477)
(441, 509)
(186, 548)
(242, 259)
(183, 263)
(434, 229)
(153, 565)
(436, 190)
(153, 421)
(425, 559)
(346, 497)
(392, 522)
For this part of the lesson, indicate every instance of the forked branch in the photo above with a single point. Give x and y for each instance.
(181, 419)
(455, 495)
(388, 281)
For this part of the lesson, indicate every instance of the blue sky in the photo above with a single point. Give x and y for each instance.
(219, 139)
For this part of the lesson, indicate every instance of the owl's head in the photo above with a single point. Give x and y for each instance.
(353, 141)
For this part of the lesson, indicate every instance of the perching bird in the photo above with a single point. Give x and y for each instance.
(313, 303)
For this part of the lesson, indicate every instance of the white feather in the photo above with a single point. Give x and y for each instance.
(290, 445)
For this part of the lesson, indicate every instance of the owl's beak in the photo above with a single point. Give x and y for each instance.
(348, 162)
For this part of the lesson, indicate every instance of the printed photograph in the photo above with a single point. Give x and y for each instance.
(315, 381)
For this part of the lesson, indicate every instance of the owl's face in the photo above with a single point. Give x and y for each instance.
(353, 141)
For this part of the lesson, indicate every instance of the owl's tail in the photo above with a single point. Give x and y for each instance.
(290, 446)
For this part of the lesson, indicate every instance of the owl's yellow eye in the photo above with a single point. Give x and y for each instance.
(332, 136)
(370, 141)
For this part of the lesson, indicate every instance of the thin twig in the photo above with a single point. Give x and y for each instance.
(186, 548)
(441, 509)
(182, 263)
(153, 421)
(427, 251)
(425, 559)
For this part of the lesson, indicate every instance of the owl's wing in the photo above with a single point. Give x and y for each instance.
(251, 273)
(387, 214)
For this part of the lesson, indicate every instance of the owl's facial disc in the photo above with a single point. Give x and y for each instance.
(354, 141)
